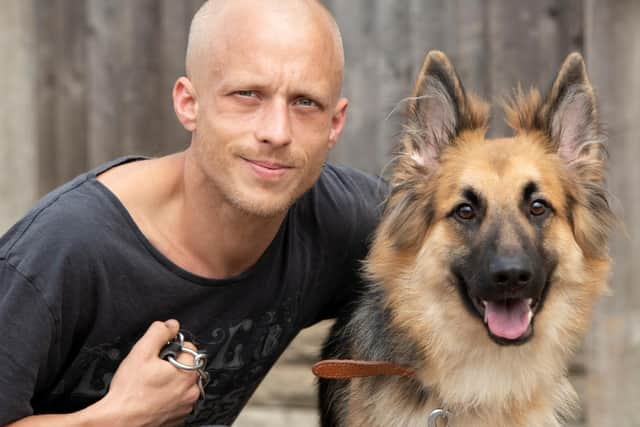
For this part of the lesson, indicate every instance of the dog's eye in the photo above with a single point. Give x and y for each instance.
(465, 211)
(538, 208)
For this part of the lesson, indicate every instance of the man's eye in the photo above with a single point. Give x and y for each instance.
(306, 102)
(246, 93)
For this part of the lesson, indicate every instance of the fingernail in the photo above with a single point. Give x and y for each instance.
(172, 324)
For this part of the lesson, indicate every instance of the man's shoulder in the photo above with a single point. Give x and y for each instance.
(67, 219)
(343, 207)
(350, 187)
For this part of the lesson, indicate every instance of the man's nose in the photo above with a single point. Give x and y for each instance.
(274, 126)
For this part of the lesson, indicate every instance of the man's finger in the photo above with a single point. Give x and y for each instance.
(185, 357)
(156, 337)
(190, 345)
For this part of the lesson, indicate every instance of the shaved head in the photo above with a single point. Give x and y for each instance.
(262, 99)
(219, 22)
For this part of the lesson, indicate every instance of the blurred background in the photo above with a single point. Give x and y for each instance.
(85, 81)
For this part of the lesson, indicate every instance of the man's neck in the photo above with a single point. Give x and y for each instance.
(229, 238)
(187, 221)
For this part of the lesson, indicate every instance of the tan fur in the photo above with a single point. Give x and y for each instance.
(484, 384)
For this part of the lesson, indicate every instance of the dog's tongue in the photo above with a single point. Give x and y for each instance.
(508, 319)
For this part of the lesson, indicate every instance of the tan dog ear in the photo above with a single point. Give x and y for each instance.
(571, 112)
(438, 110)
(567, 116)
(574, 130)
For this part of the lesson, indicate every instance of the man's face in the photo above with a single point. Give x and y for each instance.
(267, 114)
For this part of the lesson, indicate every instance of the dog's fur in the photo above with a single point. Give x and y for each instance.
(470, 220)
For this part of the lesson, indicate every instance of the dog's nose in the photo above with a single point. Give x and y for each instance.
(510, 272)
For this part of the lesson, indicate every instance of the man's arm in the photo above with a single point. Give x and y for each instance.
(77, 419)
(145, 390)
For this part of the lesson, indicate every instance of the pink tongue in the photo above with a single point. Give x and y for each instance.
(508, 320)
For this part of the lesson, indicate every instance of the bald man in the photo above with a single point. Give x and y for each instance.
(242, 240)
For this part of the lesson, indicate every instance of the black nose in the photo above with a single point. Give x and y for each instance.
(510, 272)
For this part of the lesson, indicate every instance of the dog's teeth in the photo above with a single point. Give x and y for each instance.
(530, 315)
(530, 302)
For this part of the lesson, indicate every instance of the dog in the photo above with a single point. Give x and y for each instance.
(487, 262)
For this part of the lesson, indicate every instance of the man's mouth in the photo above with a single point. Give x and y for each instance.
(268, 169)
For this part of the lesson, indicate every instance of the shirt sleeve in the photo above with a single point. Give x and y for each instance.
(27, 332)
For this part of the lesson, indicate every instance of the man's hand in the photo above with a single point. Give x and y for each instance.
(149, 391)
(145, 391)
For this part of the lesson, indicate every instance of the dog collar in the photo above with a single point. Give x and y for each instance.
(342, 369)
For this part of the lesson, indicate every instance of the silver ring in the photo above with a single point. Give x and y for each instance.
(199, 360)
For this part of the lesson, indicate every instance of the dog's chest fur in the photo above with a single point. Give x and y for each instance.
(369, 406)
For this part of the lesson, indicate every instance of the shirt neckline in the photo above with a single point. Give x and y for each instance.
(263, 261)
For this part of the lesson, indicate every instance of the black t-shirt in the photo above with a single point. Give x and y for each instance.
(79, 284)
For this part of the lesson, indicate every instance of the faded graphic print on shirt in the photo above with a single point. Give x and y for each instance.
(240, 354)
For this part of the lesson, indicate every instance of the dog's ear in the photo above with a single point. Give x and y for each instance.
(567, 116)
(575, 132)
(438, 110)
(570, 110)
(571, 123)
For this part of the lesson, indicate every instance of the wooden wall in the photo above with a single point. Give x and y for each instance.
(88, 80)
(613, 50)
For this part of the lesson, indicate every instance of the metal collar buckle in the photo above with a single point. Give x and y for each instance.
(436, 416)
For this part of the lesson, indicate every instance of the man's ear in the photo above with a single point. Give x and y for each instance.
(337, 121)
(185, 103)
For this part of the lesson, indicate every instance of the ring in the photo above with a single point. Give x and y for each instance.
(199, 360)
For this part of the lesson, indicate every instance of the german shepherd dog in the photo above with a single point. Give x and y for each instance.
(487, 262)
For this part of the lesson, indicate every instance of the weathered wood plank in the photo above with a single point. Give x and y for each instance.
(61, 86)
(45, 82)
(395, 70)
(104, 80)
(613, 57)
(527, 43)
(472, 45)
(18, 123)
(140, 52)
(176, 19)
(360, 83)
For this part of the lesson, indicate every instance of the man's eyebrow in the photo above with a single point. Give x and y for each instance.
(243, 81)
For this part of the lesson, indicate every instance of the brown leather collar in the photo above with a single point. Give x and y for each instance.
(342, 369)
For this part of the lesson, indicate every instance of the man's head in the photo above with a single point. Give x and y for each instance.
(262, 98)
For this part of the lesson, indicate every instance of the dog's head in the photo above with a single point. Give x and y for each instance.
(504, 229)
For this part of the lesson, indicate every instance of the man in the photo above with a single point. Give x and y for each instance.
(244, 238)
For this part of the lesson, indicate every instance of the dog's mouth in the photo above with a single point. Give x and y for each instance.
(510, 320)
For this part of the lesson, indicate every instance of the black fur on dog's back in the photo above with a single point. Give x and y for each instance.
(369, 330)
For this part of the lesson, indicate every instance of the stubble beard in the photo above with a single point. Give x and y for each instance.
(239, 195)
(256, 209)
(247, 205)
